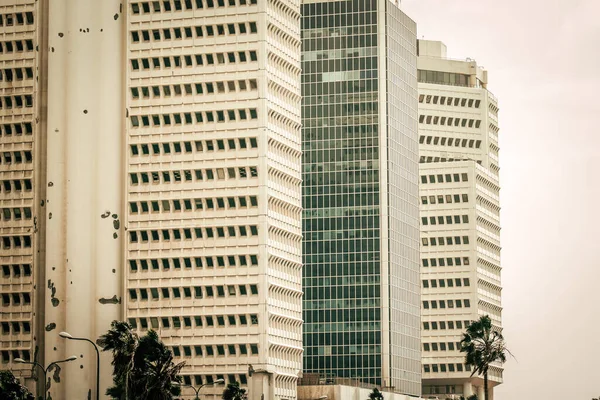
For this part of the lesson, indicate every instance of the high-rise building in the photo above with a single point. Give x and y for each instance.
(213, 192)
(460, 226)
(20, 137)
(360, 194)
(151, 172)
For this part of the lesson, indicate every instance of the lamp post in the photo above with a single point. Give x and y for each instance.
(217, 382)
(45, 370)
(68, 336)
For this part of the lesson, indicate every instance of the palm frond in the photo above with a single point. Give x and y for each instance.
(483, 345)
(143, 367)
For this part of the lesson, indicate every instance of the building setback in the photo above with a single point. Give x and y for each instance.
(460, 206)
(360, 194)
(151, 173)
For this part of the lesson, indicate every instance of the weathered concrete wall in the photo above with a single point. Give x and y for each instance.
(85, 186)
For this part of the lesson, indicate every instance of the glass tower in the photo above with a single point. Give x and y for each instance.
(360, 194)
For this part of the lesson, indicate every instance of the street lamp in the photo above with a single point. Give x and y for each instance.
(45, 370)
(66, 335)
(217, 382)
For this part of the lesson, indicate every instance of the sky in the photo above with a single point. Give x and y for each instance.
(543, 60)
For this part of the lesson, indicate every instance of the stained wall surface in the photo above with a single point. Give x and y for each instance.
(85, 174)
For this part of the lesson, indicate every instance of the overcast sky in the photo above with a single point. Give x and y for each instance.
(543, 58)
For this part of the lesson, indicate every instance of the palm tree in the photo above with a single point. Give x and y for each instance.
(123, 342)
(375, 395)
(233, 391)
(11, 388)
(483, 346)
(143, 368)
(156, 370)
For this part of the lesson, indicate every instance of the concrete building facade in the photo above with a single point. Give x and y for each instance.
(20, 142)
(151, 172)
(61, 167)
(213, 191)
(360, 193)
(460, 209)
(84, 167)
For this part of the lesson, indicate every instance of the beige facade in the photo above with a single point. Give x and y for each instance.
(20, 142)
(61, 167)
(460, 208)
(84, 199)
(213, 191)
(153, 148)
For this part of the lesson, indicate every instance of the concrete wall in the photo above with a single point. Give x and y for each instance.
(85, 175)
(432, 48)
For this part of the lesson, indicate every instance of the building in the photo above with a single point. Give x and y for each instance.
(20, 183)
(360, 194)
(460, 226)
(151, 172)
(213, 192)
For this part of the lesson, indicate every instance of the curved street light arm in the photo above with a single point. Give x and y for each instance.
(197, 390)
(45, 370)
(72, 358)
(37, 364)
(69, 337)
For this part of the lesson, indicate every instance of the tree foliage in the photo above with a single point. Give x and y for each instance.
(11, 388)
(375, 395)
(483, 346)
(143, 367)
(233, 391)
